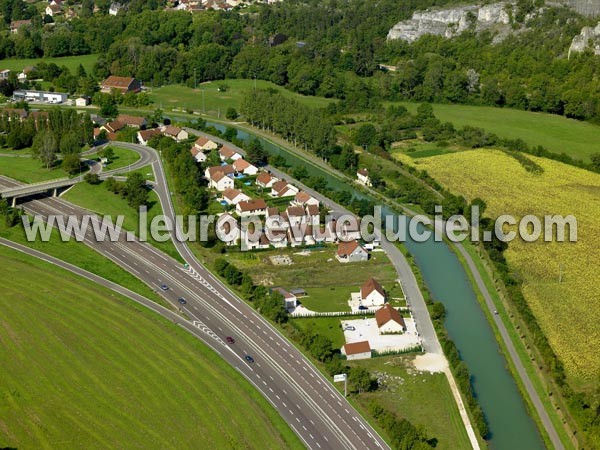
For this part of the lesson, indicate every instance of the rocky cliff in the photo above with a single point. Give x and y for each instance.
(453, 21)
(588, 38)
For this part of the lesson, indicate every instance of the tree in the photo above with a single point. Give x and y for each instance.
(108, 153)
(44, 148)
(71, 163)
(231, 113)
(361, 379)
(365, 135)
(135, 190)
(70, 143)
(255, 154)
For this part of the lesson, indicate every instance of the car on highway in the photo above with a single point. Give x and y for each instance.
(182, 300)
(164, 287)
(249, 358)
(230, 340)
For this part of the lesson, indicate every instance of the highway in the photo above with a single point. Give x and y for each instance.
(319, 415)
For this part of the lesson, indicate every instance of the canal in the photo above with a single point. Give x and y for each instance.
(511, 427)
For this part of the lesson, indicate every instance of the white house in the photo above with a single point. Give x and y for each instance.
(252, 207)
(234, 196)
(220, 181)
(357, 350)
(198, 155)
(226, 153)
(351, 252)
(204, 144)
(266, 180)
(304, 199)
(283, 189)
(242, 166)
(114, 8)
(371, 293)
(81, 101)
(175, 133)
(4, 74)
(143, 136)
(227, 169)
(363, 177)
(389, 320)
(289, 300)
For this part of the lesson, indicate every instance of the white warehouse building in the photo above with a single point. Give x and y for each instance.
(41, 96)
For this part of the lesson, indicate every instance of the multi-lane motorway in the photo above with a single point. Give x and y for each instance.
(313, 408)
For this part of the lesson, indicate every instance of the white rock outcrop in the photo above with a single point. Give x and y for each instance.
(452, 21)
(588, 38)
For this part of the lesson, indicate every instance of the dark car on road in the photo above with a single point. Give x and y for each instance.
(230, 340)
(249, 358)
(182, 300)
(164, 287)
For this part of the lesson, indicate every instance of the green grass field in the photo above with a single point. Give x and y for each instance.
(83, 367)
(557, 133)
(122, 157)
(98, 199)
(80, 255)
(146, 171)
(215, 102)
(28, 170)
(71, 62)
(328, 283)
(422, 398)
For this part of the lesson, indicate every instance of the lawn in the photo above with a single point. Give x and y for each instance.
(28, 170)
(98, 199)
(327, 281)
(423, 399)
(561, 189)
(146, 171)
(557, 133)
(122, 157)
(80, 255)
(88, 368)
(325, 326)
(71, 62)
(216, 102)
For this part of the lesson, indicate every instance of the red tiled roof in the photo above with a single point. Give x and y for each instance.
(295, 211)
(263, 178)
(369, 286)
(171, 130)
(231, 193)
(116, 82)
(241, 164)
(357, 347)
(148, 134)
(252, 205)
(346, 248)
(131, 120)
(226, 169)
(387, 313)
(227, 152)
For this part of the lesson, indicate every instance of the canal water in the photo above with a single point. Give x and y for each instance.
(511, 428)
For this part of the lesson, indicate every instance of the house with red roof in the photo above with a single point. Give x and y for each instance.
(357, 350)
(266, 180)
(389, 320)
(242, 166)
(121, 84)
(351, 251)
(204, 144)
(226, 153)
(372, 293)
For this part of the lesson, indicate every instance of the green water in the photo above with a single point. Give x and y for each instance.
(511, 427)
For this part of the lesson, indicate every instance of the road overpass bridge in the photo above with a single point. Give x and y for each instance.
(52, 188)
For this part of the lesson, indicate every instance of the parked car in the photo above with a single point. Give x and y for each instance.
(249, 358)
(182, 300)
(230, 340)
(349, 328)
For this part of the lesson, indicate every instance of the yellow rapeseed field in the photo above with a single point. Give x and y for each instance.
(568, 312)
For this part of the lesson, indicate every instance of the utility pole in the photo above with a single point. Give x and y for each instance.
(203, 110)
(195, 84)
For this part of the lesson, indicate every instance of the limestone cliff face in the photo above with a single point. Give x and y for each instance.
(588, 38)
(453, 21)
